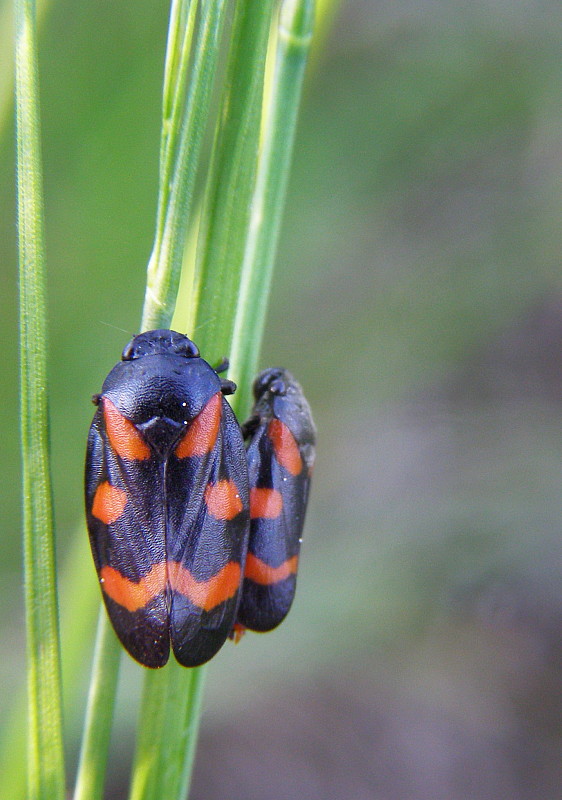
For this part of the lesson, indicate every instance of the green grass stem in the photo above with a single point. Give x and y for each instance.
(293, 39)
(226, 209)
(167, 737)
(45, 748)
(183, 127)
(99, 713)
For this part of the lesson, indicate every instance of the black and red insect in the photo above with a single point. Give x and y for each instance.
(280, 454)
(167, 501)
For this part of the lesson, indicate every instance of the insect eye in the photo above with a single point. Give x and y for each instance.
(266, 380)
(129, 352)
(190, 350)
(278, 386)
(181, 345)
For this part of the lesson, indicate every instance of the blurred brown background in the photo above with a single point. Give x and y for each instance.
(418, 298)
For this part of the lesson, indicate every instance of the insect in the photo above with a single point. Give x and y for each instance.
(167, 501)
(280, 456)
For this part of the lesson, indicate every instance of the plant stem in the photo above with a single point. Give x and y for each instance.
(45, 749)
(294, 36)
(227, 205)
(166, 746)
(99, 713)
(183, 128)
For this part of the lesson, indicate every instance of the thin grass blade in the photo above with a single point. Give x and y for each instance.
(99, 713)
(292, 41)
(45, 748)
(182, 136)
(226, 210)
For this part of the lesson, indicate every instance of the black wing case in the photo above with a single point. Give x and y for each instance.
(279, 486)
(208, 513)
(126, 524)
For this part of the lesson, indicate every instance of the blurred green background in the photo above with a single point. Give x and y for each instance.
(418, 298)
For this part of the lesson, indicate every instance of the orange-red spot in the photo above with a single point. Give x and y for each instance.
(265, 503)
(205, 594)
(238, 631)
(260, 572)
(109, 503)
(123, 436)
(223, 499)
(134, 595)
(286, 449)
(201, 435)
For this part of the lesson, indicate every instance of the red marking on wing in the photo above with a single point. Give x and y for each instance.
(223, 499)
(109, 503)
(202, 434)
(238, 631)
(260, 572)
(285, 446)
(265, 503)
(134, 595)
(123, 436)
(206, 594)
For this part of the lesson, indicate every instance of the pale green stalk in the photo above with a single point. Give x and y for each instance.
(45, 749)
(226, 209)
(176, 68)
(294, 36)
(183, 129)
(166, 744)
(99, 713)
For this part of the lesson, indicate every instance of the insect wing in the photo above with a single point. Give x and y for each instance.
(208, 513)
(278, 500)
(126, 523)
